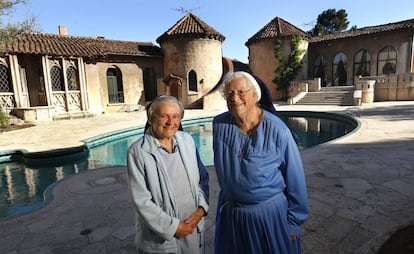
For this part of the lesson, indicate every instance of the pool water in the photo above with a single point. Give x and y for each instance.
(23, 185)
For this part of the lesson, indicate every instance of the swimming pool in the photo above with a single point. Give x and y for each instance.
(23, 185)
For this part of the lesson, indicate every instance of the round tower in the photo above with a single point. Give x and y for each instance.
(262, 59)
(193, 55)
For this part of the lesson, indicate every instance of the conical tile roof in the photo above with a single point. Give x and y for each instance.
(276, 28)
(190, 27)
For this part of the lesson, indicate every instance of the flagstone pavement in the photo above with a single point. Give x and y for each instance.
(361, 187)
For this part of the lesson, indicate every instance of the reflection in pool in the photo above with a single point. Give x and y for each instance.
(22, 185)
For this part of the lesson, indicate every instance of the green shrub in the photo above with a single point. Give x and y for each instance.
(4, 119)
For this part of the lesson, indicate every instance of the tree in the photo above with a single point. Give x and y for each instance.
(288, 67)
(11, 29)
(331, 21)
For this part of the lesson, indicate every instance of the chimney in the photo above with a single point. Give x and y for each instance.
(63, 30)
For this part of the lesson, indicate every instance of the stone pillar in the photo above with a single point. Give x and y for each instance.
(367, 88)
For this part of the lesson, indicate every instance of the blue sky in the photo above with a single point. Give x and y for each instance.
(237, 20)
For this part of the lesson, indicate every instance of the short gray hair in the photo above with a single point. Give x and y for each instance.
(250, 81)
(153, 108)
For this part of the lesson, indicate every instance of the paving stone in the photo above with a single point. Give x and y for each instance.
(366, 210)
(316, 243)
(335, 200)
(380, 224)
(355, 184)
(10, 242)
(401, 187)
(351, 215)
(336, 228)
(95, 248)
(124, 233)
(355, 241)
(360, 189)
(98, 234)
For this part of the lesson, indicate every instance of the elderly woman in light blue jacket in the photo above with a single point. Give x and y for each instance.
(168, 183)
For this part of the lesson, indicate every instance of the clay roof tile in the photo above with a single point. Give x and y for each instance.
(78, 46)
(276, 28)
(188, 27)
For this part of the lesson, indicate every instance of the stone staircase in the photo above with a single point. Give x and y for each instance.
(72, 115)
(333, 95)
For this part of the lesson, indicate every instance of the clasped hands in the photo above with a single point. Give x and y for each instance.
(187, 226)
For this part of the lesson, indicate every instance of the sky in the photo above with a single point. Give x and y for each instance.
(237, 20)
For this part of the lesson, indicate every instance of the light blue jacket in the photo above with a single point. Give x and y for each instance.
(152, 194)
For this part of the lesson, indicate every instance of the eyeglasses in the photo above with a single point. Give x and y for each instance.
(240, 93)
(165, 117)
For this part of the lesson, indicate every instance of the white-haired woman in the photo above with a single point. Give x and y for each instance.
(263, 199)
(168, 184)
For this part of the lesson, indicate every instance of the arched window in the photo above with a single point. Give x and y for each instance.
(387, 61)
(150, 84)
(192, 81)
(339, 67)
(114, 83)
(362, 63)
(56, 78)
(73, 80)
(5, 84)
(319, 69)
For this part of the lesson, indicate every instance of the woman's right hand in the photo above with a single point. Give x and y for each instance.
(187, 227)
(183, 230)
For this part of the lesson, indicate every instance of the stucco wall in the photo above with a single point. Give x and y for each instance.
(350, 46)
(263, 62)
(95, 101)
(204, 56)
(132, 81)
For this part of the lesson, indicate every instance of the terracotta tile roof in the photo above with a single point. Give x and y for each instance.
(276, 28)
(64, 45)
(405, 24)
(190, 26)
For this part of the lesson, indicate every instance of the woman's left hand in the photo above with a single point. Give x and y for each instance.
(195, 217)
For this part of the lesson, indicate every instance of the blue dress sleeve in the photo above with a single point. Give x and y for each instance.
(204, 177)
(295, 191)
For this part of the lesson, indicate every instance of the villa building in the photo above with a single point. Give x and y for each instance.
(52, 76)
(382, 53)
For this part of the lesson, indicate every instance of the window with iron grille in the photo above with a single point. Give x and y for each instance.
(5, 84)
(56, 78)
(72, 76)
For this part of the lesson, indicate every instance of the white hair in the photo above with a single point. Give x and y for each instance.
(250, 80)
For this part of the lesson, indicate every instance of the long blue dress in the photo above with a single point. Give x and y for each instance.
(263, 198)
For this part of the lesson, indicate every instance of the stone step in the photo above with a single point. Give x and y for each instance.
(342, 96)
(73, 115)
(337, 89)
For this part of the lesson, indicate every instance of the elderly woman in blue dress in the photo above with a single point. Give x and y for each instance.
(168, 184)
(263, 199)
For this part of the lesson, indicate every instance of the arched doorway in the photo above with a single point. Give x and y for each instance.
(114, 85)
